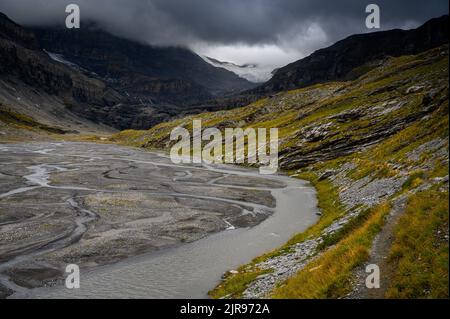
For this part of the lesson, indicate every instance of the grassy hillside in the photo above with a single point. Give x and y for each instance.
(376, 149)
(19, 127)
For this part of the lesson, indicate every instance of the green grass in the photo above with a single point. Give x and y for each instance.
(234, 285)
(414, 179)
(420, 249)
(328, 275)
(10, 117)
(328, 203)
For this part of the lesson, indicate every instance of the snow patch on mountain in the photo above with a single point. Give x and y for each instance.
(252, 72)
(60, 58)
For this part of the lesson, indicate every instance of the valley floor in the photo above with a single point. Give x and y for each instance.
(93, 204)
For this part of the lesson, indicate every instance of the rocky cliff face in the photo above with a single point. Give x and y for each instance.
(349, 58)
(24, 68)
(35, 69)
(119, 62)
(104, 79)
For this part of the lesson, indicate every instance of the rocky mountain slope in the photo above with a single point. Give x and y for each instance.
(89, 80)
(345, 59)
(164, 74)
(376, 149)
(33, 86)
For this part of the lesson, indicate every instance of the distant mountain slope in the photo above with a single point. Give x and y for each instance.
(88, 76)
(32, 84)
(141, 69)
(341, 60)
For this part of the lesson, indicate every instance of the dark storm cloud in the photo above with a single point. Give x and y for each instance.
(229, 22)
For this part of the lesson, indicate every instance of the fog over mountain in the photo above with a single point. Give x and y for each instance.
(250, 71)
(255, 31)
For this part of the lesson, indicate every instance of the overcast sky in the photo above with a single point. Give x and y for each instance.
(270, 32)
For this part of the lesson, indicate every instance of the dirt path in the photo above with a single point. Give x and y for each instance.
(379, 256)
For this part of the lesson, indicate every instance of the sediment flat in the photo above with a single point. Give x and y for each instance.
(97, 204)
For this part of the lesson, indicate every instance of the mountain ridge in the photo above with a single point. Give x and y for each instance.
(338, 60)
(90, 47)
(137, 94)
(321, 66)
(108, 81)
